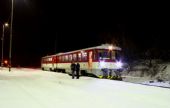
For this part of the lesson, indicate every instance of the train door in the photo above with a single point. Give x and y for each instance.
(90, 58)
(55, 63)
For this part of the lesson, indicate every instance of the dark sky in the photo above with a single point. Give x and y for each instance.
(46, 27)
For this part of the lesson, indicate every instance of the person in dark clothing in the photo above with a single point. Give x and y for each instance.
(77, 70)
(73, 69)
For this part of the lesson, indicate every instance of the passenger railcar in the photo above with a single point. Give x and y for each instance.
(100, 61)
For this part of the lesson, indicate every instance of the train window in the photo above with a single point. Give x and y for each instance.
(70, 57)
(113, 55)
(59, 58)
(104, 54)
(49, 59)
(84, 56)
(74, 57)
(66, 58)
(79, 56)
(62, 58)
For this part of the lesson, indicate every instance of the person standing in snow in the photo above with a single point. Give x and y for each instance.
(73, 69)
(77, 70)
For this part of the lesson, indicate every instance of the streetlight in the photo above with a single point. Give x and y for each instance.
(2, 59)
(10, 46)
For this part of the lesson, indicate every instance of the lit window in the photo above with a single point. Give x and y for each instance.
(74, 57)
(60, 58)
(70, 58)
(84, 56)
(113, 55)
(79, 56)
(66, 58)
(104, 54)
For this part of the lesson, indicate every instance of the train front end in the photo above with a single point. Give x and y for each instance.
(109, 62)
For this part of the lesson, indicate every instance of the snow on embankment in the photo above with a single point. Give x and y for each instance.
(158, 74)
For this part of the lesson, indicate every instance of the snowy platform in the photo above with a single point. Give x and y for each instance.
(31, 88)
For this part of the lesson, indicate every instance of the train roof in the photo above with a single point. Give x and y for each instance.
(103, 46)
(49, 56)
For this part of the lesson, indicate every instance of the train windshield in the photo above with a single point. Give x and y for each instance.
(108, 55)
(104, 54)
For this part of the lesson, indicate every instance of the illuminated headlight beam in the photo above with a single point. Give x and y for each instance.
(119, 64)
(102, 64)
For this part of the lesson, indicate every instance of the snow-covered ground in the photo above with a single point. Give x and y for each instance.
(31, 88)
(147, 81)
(157, 75)
(165, 84)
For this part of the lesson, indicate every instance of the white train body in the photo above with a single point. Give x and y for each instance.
(94, 60)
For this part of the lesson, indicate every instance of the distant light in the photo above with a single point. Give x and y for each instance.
(110, 47)
(6, 61)
(6, 24)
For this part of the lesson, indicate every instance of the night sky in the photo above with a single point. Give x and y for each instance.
(46, 27)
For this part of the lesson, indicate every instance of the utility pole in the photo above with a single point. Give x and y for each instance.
(3, 30)
(10, 46)
(2, 61)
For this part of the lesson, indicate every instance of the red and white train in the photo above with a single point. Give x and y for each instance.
(98, 61)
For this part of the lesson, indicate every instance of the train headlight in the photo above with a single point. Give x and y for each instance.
(110, 47)
(119, 64)
(102, 64)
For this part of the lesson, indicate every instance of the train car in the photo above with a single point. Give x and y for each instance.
(99, 61)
